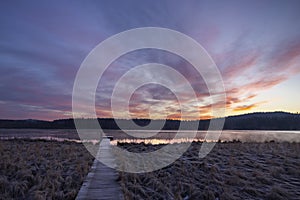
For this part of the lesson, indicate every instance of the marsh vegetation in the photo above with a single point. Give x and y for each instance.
(232, 170)
(37, 169)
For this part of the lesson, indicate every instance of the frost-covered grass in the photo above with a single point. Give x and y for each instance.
(231, 171)
(36, 169)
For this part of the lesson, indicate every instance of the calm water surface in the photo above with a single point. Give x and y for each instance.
(154, 137)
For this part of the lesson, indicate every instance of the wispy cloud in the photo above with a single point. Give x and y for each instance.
(43, 44)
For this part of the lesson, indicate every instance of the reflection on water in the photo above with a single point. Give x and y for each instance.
(227, 135)
(156, 141)
(162, 137)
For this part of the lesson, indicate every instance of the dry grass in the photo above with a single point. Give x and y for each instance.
(230, 171)
(36, 169)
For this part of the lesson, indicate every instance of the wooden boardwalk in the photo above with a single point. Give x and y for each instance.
(101, 182)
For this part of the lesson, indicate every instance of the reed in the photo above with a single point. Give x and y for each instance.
(232, 170)
(37, 169)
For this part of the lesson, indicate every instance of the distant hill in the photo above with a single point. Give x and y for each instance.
(251, 121)
(264, 121)
(277, 114)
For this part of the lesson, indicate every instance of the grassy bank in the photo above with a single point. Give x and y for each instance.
(230, 171)
(35, 169)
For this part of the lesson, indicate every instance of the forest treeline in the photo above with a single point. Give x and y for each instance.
(252, 121)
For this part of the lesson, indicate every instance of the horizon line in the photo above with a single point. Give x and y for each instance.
(294, 113)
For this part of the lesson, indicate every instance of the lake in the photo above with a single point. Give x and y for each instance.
(155, 137)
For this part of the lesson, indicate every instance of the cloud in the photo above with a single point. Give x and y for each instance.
(244, 107)
(246, 92)
(286, 58)
(248, 72)
(43, 44)
(238, 68)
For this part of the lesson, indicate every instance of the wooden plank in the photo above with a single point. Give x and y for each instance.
(101, 182)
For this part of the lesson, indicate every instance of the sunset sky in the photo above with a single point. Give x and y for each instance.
(255, 44)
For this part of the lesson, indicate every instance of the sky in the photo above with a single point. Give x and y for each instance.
(255, 45)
